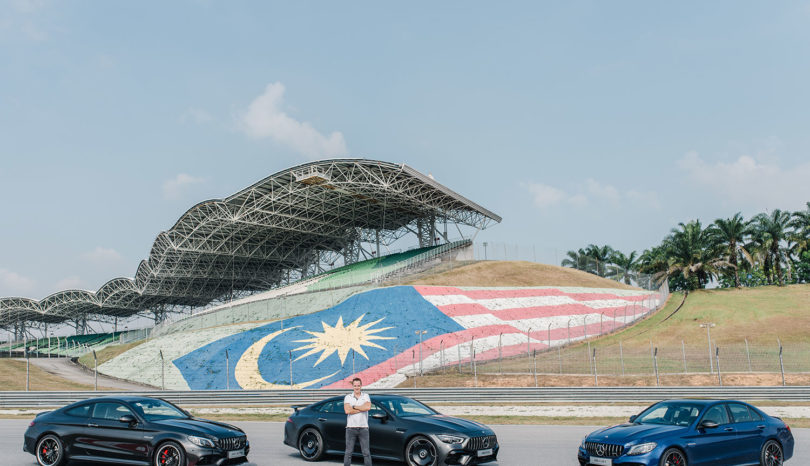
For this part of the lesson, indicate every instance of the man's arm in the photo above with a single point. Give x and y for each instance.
(349, 409)
(364, 407)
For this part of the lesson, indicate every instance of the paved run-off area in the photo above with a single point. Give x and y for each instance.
(524, 445)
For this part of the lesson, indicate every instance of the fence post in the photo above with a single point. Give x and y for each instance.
(781, 364)
(549, 335)
(748, 353)
(475, 369)
(683, 351)
(27, 365)
(559, 355)
(595, 374)
(500, 347)
(601, 318)
(528, 350)
(441, 355)
(95, 371)
(535, 368)
(162, 372)
(472, 348)
(227, 371)
(621, 356)
(655, 363)
(291, 372)
(413, 364)
(458, 363)
(585, 325)
(569, 331)
(717, 355)
(588, 357)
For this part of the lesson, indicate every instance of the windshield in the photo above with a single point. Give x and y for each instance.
(158, 410)
(406, 407)
(673, 413)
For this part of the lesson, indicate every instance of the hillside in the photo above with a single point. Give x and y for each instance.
(513, 273)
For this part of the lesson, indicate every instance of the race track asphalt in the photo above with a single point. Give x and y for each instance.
(520, 445)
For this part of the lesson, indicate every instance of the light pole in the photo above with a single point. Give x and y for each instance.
(420, 333)
(528, 351)
(485, 250)
(708, 326)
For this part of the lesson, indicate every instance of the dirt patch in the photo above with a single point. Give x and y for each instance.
(516, 273)
(544, 380)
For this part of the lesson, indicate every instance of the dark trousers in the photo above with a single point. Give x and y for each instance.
(352, 434)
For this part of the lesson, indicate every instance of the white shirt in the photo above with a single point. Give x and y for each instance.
(359, 419)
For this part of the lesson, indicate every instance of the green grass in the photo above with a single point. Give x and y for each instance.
(107, 353)
(759, 315)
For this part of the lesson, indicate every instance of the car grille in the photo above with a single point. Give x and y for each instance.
(604, 450)
(232, 443)
(482, 443)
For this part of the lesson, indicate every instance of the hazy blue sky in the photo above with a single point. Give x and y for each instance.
(578, 122)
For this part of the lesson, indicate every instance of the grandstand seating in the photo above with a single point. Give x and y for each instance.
(74, 345)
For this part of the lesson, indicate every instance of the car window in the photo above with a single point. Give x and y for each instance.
(332, 407)
(755, 416)
(717, 414)
(158, 410)
(376, 409)
(79, 411)
(740, 412)
(111, 411)
(406, 407)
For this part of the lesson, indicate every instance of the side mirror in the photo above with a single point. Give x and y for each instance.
(708, 425)
(380, 416)
(127, 419)
(633, 417)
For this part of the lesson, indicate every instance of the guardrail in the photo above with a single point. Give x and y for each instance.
(469, 396)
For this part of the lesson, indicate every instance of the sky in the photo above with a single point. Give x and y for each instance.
(577, 122)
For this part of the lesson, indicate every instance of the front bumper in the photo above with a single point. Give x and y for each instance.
(456, 454)
(200, 456)
(647, 459)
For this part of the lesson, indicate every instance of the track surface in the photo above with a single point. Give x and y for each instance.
(63, 367)
(520, 445)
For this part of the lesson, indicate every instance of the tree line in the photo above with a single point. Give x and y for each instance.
(767, 249)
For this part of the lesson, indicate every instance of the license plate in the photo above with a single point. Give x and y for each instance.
(601, 461)
(486, 452)
(236, 454)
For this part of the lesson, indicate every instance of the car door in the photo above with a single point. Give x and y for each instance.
(332, 423)
(385, 435)
(113, 439)
(750, 432)
(74, 432)
(712, 446)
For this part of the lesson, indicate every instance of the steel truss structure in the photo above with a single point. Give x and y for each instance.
(285, 227)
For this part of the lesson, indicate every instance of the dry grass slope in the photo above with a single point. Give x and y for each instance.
(514, 273)
(12, 377)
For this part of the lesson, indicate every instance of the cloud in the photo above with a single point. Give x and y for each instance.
(14, 284)
(750, 182)
(69, 283)
(265, 118)
(545, 195)
(102, 256)
(591, 192)
(174, 188)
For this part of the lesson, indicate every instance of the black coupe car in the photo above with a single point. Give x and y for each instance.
(400, 429)
(132, 431)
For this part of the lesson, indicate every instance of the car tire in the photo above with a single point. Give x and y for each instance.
(50, 451)
(169, 454)
(310, 444)
(771, 454)
(673, 457)
(421, 452)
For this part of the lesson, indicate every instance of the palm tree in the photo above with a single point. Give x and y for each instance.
(801, 230)
(576, 259)
(692, 254)
(771, 231)
(624, 267)
(601, 257)
(729, 235)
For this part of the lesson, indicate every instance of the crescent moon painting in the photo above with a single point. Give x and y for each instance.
(247, 371)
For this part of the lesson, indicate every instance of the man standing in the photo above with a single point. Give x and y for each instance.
(357, 405)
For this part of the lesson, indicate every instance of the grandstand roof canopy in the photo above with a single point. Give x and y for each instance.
(287, 223)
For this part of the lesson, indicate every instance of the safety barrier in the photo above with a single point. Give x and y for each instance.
(467, 396)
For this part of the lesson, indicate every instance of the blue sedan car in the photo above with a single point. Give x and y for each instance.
(691, 432)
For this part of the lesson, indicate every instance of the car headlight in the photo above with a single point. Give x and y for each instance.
(448, 438)
(585, 438)
(201, 441)
(642, 448)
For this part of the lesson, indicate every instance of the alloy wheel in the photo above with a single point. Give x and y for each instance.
(674, 458)
(49, 451)
(309, 444)
(421, 452)
(168, 455)
(773, 454)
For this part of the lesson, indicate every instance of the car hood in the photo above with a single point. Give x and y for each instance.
(440, 422)
(624, 433)
(202, 426)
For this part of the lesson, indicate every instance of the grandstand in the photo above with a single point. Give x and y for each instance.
(315, 228)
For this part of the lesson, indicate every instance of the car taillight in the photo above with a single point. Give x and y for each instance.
(289, 419)
(787, 427)
(32, 424)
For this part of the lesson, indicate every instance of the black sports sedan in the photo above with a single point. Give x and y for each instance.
(400, 429)
(132, 431)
